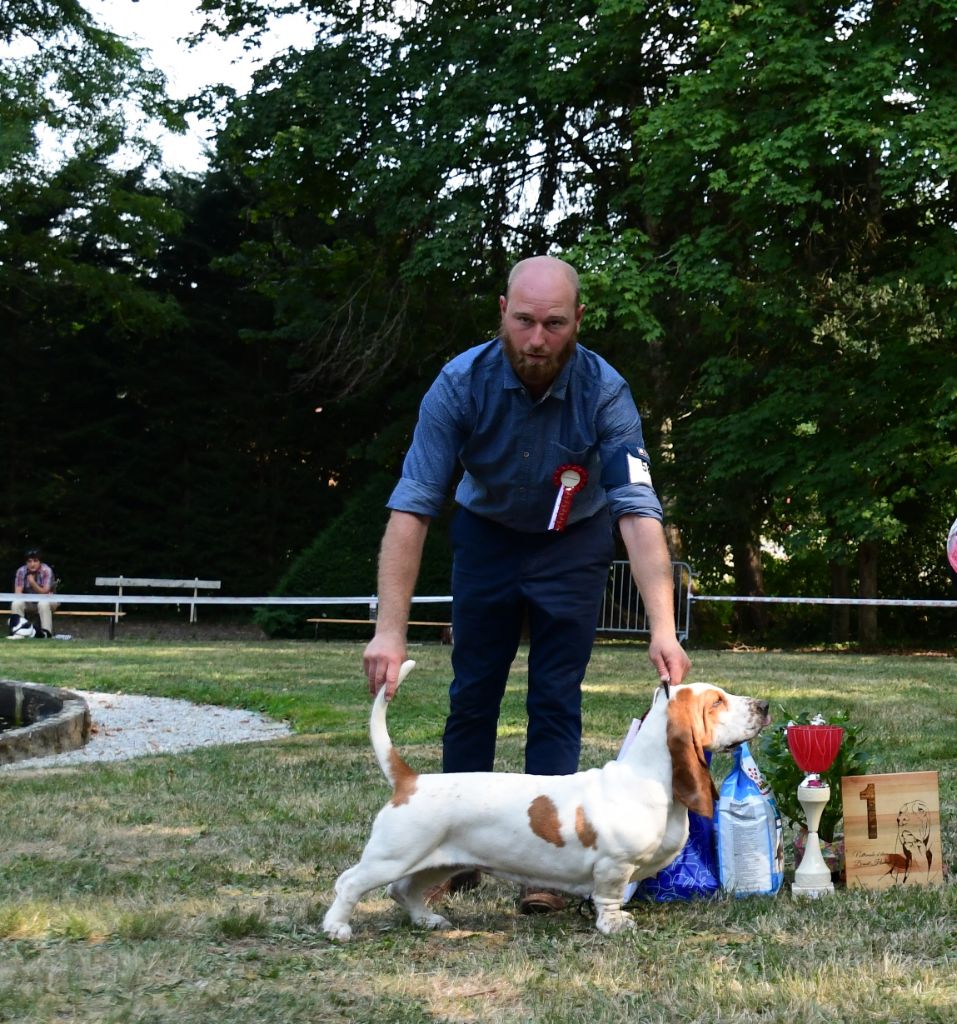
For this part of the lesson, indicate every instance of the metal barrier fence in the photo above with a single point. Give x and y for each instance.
(623, 612)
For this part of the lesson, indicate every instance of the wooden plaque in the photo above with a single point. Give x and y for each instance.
(892, 829)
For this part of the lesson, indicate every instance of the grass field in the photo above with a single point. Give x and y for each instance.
(191, 887)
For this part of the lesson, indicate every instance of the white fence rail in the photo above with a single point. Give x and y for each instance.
(369, 602)
(882, 602)
(622, 612)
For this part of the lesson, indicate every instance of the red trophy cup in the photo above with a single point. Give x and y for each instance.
(813, 748)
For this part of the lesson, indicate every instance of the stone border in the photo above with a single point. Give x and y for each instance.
(55, 720)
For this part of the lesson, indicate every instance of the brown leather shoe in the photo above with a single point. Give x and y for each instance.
(540, 901)
(462, 881)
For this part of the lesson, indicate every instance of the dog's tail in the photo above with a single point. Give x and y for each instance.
(381, 742)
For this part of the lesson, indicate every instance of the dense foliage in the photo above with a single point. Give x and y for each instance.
(342, 562)
(208, 376)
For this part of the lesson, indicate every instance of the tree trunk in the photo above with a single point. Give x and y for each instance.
(676, 547)
(840, 613)
(749, 581)
(867, 588)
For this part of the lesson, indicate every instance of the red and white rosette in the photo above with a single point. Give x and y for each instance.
(569, 480)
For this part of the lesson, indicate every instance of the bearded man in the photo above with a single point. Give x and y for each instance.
(549, 440)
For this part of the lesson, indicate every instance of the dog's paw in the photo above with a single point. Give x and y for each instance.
(337, 932)
(615, 924)
(335, 928)
(434, 922)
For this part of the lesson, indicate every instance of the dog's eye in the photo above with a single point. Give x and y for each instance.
(718, 702)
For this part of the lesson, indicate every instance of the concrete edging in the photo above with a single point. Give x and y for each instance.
(45, 720)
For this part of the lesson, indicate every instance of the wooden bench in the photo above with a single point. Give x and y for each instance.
(64, 612)
(446, 627)
(136, 581)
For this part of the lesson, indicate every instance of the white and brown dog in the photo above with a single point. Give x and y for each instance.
(589, 834)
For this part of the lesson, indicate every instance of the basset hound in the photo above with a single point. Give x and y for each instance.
(589, 834)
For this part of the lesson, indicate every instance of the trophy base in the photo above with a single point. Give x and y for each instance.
(812, 879)
(812, 892)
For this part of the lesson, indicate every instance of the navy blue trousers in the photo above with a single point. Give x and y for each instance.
(500, 577)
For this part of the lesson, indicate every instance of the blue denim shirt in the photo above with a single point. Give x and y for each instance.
(477, 414)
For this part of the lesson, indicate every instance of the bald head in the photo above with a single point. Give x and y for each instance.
(546, 267)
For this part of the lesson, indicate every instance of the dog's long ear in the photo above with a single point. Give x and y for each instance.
(691, 780)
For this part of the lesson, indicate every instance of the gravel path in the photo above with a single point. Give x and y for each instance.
(126, 726)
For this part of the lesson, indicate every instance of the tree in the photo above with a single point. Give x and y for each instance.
(423, 147)
(80, 227)
(796, 182)
(762, 196)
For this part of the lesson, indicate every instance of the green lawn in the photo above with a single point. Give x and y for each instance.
(192, 887)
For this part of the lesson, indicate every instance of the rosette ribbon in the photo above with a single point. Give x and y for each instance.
(569, 480)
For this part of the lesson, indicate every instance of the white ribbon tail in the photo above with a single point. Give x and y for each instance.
(558, 505)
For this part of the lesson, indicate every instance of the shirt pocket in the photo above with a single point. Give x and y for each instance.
(585, 458)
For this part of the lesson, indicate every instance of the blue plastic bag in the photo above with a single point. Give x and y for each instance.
(749, 833)
(693, 874)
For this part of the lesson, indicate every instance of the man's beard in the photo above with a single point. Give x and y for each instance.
(538, 373)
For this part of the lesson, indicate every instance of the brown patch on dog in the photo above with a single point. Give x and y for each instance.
(404, 779)
(543, 817)
(585, 831)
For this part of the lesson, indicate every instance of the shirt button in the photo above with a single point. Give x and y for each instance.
(524, 455)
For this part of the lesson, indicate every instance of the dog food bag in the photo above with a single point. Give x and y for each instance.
(750, 837)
